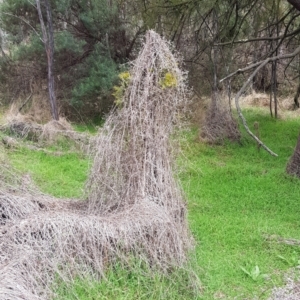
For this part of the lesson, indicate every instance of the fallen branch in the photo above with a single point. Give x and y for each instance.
(241, 116)
(279, 239)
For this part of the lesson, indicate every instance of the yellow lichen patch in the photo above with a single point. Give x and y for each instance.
(169, 80)
(119, 90)
(124, 76)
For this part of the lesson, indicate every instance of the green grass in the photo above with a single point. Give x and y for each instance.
(89, 127)
(236, 196)
(136, 281)
(58, 175)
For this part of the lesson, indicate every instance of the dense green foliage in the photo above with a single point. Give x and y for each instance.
(87, 41)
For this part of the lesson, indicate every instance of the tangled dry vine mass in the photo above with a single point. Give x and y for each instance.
(134, 206)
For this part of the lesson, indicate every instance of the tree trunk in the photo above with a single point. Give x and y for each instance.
(295, 3)
(293, 167)
(296, 98)
(274, 65)
(48, 40)
(214, 59)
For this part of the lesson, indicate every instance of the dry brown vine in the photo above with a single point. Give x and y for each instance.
(134, 206)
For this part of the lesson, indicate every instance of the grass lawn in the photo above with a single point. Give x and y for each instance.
(239, 199)
(238, 196)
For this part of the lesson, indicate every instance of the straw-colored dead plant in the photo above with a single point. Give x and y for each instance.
(21, 128)
(219, 124)
(134, 206)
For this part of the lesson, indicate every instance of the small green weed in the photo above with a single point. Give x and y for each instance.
(254, 273)
(292, 260)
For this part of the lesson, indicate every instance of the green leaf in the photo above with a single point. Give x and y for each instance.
(245, 271)
(255, 273)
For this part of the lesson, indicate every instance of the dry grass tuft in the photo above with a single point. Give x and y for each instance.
(219, 124)
(35, 106)
(255, 100)
(134, 205)
(24, 127)
(293, 166)
(286, 107)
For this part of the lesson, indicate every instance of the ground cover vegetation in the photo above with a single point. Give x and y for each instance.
(242, 206)
(243, 213)
(97, 63)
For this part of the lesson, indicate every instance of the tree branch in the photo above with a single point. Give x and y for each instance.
(244, 41)
(239, 111)
(269, 59)
(259, 66)
(8, 14)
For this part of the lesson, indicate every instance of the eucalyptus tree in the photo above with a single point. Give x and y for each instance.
(48, 41)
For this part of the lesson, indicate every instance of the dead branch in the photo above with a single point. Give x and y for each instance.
(264, 62)
(267, 38)
(259, 65)
(239, 111)
(25, 102)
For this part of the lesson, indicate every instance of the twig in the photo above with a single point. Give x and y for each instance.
(26, 23)
(25, 102)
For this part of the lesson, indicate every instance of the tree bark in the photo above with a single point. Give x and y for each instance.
(48, 40)
(293, 167)
(296, 98)
(295, 3)
(214, 58)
